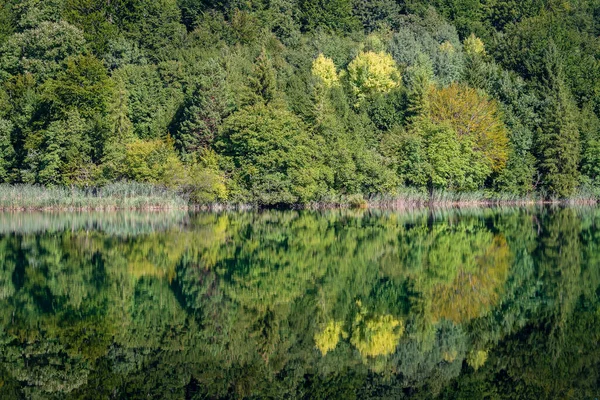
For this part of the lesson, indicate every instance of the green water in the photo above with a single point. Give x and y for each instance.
(341, 304)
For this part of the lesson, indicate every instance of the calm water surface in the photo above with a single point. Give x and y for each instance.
(468, 304)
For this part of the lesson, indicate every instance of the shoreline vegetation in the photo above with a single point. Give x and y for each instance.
(152, 198)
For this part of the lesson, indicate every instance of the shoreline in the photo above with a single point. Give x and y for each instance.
(376, 205)
(142, 197)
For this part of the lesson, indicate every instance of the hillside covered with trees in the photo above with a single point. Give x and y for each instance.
(291, 101)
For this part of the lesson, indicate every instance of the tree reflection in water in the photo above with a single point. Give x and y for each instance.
(340, 304)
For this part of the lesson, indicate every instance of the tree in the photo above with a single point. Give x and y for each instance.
(446, 160)
(377, 14)
(61, 154)
(370, 73)
(477, 122)
(155, 25)
(590, 140)
(263, 81)
(203, 112)
(152, 161)
(31, 13)
(152, 103)
(40, 50)
(335, 15)
(84, 85)
(93, 17)
(419, 79)
(7, 151)
(557, 139)
(433, 37)
(324, 69)
(7, 20)
(276, 160)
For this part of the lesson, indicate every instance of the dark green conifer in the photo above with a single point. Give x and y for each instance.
(557, 139)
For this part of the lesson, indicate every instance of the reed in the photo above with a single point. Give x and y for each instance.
(147, 197)
(115, 196)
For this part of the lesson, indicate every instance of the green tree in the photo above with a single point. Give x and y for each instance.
(84, 85)
(590, 141)
(40, 50)
(93, 17)
(275, 158)
(557, 139)
(61, 154)
(335, 15)
(478, 124)
(7, 151)
(208, 103)
(377, 14)
(152, 103)
(419, 79)
(152, 161)
(155, 25)
(263, 81)
(7, 20)
(446, 161)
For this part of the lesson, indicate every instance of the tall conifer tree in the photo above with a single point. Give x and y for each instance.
(557, 140)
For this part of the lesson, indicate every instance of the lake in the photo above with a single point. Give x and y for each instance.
(450, 304)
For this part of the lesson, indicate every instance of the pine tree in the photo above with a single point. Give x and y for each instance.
(7, 152)
(557, 140)
(263, 81)
(204, 110)
(419, 80)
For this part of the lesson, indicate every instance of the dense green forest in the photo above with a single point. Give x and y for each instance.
(293, 101)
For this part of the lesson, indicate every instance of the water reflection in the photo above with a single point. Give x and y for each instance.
(499, 303)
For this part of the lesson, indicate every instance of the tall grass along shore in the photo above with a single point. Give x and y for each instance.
(117, 196)
(138, 196)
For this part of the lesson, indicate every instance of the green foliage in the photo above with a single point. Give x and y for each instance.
(153, 161)
(83, 86)
(377, 14)
(276, 160)
(446, 160)
(334, 15)
(557, 141)
(7, 20)
(40, 50)
(445, 304)
(431, 38)
(61, 153)
(152, 104)
(200, 117)
(93, 17)
(573, 36)
(154, 24)
(375, 87)
(324, 69)
(7, 151)
(477, 122)
(590, 140)
(263, 81)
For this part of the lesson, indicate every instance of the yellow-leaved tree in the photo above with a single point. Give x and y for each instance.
(371, 73)
(324, 69)
(474, 46)
(375, 335)
(328, 340)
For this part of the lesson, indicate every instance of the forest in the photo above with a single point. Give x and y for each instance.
(286, 102)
